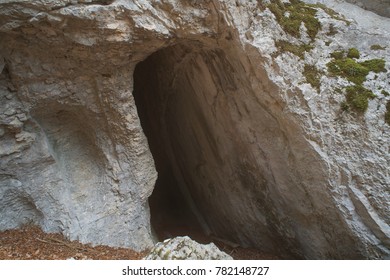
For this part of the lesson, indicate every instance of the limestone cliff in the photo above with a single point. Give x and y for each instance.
(270, 119)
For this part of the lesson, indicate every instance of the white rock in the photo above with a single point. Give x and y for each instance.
(184, 248)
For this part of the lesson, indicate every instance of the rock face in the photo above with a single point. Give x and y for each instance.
(260, 153)
(381, 7)
(184, 248)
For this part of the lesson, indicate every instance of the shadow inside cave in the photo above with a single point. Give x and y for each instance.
(171, 214)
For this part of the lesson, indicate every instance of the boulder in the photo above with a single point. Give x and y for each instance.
(184, 248)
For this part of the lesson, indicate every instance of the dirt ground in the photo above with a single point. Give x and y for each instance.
(31, 243)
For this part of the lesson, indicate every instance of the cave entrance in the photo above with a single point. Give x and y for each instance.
(210, 139)
(174, 212)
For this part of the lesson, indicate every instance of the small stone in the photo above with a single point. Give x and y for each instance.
(15, 123)
(10, 112)
(22, 117)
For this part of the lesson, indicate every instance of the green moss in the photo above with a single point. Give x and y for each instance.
(337, 54)
(345, 65)
(344, 106)
(377, 47)
(349, 69)
(353, 71)
(298, 50)
(387, 114)
(332, 30)
(312, 75)
(338, 90)
(375, 65)
(353, 53)
(277, 9)
(291, 15)
(385, 93)
(357, 97)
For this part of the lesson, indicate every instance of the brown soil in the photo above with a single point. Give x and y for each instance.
(31, 243)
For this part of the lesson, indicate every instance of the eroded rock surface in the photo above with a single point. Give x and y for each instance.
(260, 156)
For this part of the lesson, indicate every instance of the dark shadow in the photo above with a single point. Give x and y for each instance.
(170, 214)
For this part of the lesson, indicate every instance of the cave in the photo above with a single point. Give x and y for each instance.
(185, 97)
(225, 154)
(174, 212)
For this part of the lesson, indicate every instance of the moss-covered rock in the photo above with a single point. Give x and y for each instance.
(312, 75)
(387, 114)
(357, 97)
(345, 65)
(291, 16)
(337, 54)
(375, 65)
(298, 50)
(377, 47)
(353, 53)
(385, 93)
(352, 70)
(349, 69)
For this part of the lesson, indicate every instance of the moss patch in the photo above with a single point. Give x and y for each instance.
(344, 64)
(352, 70)
(291, 15)
(375, 65)
(385, 93)
(344, 106)
(337, 54)
(377, 47)
(312, 75)
(353, 53)
(349, 69)
(332, 30)
(387, 114)
(298, 50)
(357, 97)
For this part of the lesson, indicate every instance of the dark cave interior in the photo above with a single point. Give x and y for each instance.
(170, 213)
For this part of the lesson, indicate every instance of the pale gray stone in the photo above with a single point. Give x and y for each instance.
(184, 248)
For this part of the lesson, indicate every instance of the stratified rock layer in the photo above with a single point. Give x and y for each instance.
(260, 157)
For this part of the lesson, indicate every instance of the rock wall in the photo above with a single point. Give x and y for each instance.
(381, 7)
(261, 157)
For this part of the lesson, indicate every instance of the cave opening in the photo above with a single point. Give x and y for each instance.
(211, 140)
(173, 211)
